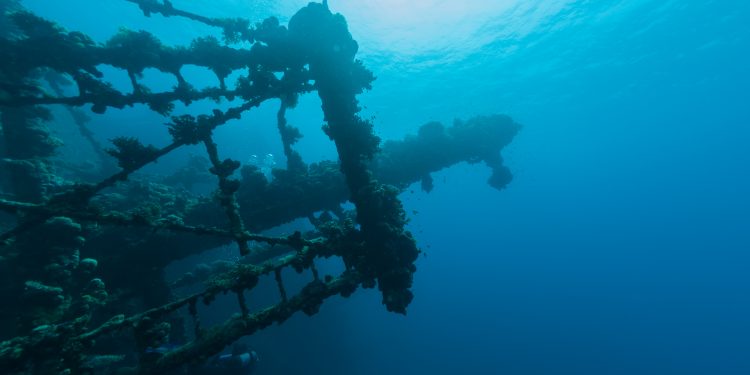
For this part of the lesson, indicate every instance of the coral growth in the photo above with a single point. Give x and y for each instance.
(88, 259)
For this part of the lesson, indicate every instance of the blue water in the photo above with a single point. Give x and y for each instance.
(622, 246)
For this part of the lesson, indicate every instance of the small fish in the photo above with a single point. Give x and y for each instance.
(162, 349)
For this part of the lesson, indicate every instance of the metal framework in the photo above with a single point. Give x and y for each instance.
(66, 303)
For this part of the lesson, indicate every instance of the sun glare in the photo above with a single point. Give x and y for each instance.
(409, 28)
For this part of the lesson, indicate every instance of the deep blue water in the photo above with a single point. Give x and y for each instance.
(622, 246)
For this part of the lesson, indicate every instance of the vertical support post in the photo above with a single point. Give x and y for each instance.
(390, 250)
(280, 283)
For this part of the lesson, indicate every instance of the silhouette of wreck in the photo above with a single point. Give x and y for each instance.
(84, 262)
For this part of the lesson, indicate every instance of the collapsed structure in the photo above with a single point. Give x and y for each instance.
(69, 248)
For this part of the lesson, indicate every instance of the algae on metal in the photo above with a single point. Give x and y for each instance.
(67, 244)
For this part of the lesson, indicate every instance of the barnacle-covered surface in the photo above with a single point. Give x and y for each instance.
(67, 244)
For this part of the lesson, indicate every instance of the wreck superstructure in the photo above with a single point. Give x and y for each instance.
(69, 247)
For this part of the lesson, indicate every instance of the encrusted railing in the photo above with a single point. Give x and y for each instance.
(315, 52)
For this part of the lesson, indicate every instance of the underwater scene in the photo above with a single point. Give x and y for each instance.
(373, 187)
